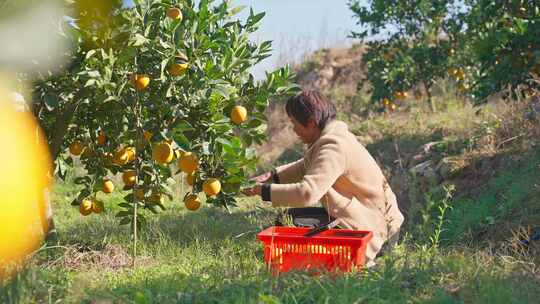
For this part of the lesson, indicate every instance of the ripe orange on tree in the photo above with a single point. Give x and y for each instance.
(131, 154)
(212, 187)
(174, 13)
(238, 114)
(178, 69)
(76, 148)
(188, 162)
(192, 202)
(124, 156)
(85, 208)
(140, 81)
(121, 157)
(129, 177)
(108, 186)
(101, 139)
(162, 153)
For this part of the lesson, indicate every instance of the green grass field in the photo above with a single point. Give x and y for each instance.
(211, 256)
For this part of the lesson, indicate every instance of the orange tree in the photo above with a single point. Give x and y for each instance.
(154, 90)
(410, 43)
(504, 43)
(483, 46)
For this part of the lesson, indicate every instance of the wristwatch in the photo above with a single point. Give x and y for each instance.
(275, 176)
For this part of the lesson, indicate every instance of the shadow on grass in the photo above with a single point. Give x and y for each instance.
(176, 225)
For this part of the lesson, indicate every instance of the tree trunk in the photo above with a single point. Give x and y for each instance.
(432, 105)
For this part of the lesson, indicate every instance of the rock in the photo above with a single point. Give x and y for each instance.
(532, 112)
(424, 152)
(426, 172)
(449, 167)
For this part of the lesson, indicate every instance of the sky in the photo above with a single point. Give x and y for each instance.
(299, 27)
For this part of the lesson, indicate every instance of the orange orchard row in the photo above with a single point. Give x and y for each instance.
(457, 73)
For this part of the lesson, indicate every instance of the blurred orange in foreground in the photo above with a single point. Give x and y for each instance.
(24, 165)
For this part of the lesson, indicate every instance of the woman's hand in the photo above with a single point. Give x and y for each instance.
(255, 190)
(263, 178)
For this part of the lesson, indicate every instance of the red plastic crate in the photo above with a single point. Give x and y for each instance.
(286, 248)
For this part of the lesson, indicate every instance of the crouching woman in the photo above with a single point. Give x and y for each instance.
(336, 171)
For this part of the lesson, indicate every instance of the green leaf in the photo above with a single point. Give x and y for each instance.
(138, 40)
(82, 180)
(222, 91)
(51, 101)
(237, 10)
(254, 19)
(89, 54)
(125, 205)
(123, 214)
(90, 82)
(254, 123)
(224, 142)
(164, 63)
(178, 35)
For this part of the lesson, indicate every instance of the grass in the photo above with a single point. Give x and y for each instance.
(212, 256)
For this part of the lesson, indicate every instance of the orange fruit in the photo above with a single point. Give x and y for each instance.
(124, 156)
(174, 13)
(190, 179)
(85, 208)
(238, 114)
(178, 69)
(147, 135)
(108, 186)
(162, 153)
(140, 81)
(211, 187)
(76, 148)
(459, 74)
(101, 138)
(188, 162)
(192, 202)
(129, 177)
(97, 207)
(130, 153)
(463, 87)
(25, 165)
(121, 157)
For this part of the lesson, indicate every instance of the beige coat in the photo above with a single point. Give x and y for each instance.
(339, 172)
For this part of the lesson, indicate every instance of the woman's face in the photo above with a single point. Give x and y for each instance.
(308, 134)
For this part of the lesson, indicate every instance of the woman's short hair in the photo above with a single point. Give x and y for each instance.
(311, 104)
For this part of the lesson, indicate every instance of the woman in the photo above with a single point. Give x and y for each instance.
(337, 171)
